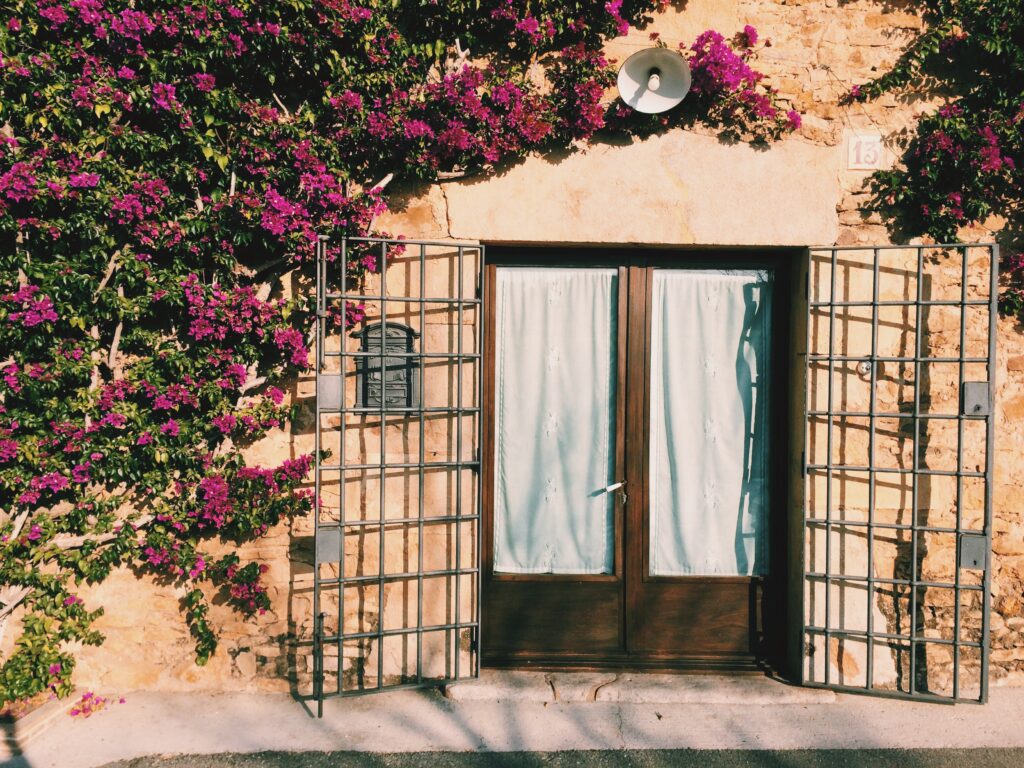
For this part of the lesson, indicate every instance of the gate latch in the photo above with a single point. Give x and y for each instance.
(973, 549)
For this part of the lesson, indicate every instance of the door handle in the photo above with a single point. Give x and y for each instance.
(620, 487)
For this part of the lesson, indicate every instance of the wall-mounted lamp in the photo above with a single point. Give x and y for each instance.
(654, 80)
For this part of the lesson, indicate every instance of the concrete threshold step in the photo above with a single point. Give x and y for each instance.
(632, 688)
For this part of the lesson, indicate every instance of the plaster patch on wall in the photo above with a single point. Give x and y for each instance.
(669, 189)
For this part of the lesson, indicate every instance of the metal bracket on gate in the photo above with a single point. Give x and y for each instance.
(973, 551)
(974, 400)
(328, 544)
(328, 392)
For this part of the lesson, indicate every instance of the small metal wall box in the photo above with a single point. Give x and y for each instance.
(388, 369)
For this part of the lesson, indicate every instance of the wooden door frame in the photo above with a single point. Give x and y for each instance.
(632, 373)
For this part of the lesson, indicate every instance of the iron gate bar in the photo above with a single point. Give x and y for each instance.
(893, 581)
(862, 635)
(895, 470)
(404, 299)
(990, 450)
(399, 465)
(425, 355)
(406, 523)
(899, 302)
(862, 359)
(401, 575)
(883, 415)
(872, 407)
(433, 519)
(400, 410)
(959, 459)
(828, 470)
(889, 526)
(917, 639)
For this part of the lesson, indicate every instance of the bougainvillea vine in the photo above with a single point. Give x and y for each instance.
(163, 168)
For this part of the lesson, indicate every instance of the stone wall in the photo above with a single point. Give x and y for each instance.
(680, 188)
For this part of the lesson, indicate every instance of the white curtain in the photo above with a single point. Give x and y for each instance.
(710, 336)
(555, 420)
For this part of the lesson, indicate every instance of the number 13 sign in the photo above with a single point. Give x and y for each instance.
(864, 152)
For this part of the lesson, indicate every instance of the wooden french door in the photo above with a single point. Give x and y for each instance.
(612, 587)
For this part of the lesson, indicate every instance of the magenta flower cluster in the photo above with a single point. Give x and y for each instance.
(722, 74)
(28, 307)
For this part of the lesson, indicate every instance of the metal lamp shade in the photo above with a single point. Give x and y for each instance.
(636, 71)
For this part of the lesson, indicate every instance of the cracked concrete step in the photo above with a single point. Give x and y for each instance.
(632, 688)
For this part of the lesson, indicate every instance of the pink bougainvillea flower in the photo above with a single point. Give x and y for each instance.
(8, 450)
(31, 307)
(204, 82)
(165, 96)
(84, 180)
(225, 423)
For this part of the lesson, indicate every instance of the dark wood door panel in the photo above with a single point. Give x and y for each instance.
(556, 617)
(705, 617)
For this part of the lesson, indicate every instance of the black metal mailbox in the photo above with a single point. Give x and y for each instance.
(387, 368)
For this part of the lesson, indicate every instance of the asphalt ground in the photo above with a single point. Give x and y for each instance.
(671, 758)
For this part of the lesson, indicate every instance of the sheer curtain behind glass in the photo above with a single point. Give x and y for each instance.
(710, 333)
(554, 420)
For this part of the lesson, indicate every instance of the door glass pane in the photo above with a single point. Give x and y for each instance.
(710, 334)
(555, 420)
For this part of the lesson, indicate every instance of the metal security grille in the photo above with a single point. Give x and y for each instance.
(398, 393)
(898, 469)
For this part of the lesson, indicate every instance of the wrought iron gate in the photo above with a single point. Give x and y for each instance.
(398, 436)
(898, 469)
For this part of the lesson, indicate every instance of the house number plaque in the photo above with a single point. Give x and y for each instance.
(390, 372)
